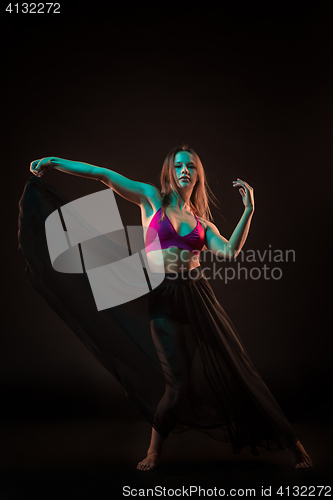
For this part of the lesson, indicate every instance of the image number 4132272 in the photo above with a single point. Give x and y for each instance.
(33, 8)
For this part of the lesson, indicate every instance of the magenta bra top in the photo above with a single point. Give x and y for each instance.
(168, 236)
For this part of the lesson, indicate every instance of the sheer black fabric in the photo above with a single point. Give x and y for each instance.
(174, 350)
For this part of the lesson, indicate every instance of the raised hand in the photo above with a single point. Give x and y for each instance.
(38, 167)
(246, 192)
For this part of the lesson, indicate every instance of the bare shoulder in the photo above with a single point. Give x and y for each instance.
(207, 224)
(210, 226)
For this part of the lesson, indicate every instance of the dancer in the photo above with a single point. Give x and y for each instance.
(199, 375)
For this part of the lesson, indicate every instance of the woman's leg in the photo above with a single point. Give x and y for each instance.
(154, 453)
(175, 346)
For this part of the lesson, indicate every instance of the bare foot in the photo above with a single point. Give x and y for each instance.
(300, 459)
(150, 463)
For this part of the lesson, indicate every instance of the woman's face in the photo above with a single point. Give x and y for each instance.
(185, 170)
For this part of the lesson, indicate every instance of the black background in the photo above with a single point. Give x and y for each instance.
(250, 89)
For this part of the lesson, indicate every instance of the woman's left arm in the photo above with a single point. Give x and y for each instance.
(217, 243)
(238, 237)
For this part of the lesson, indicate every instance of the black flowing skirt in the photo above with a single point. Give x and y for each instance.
(174, 349)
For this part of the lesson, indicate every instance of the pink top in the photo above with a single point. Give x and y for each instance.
(168, 236)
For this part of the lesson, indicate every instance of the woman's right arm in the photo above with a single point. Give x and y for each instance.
(134, 191)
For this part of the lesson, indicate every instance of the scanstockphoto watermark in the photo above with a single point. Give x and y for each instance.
(249, 264)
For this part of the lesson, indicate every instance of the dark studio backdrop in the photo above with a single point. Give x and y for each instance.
(250, 89)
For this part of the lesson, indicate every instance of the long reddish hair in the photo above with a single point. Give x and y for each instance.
(201, 195)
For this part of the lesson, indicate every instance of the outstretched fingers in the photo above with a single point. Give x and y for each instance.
(245, 183)
(246, 191)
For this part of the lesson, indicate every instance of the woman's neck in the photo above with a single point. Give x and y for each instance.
(179, 202)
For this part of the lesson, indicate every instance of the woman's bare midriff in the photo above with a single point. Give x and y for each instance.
(176, 260)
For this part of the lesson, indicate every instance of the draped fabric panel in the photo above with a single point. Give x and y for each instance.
(174, 350)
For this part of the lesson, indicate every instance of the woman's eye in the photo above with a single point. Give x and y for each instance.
(189, 166)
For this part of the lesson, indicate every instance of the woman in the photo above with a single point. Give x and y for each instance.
(204, 378)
